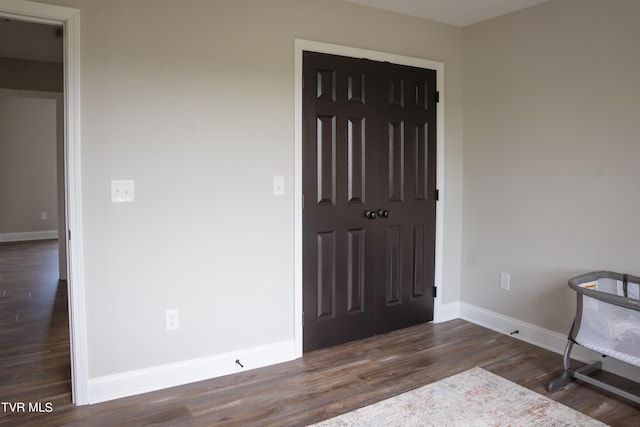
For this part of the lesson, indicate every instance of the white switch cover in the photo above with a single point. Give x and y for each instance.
(505, 281)
(278, 185)
(172, 320)
(122, 191)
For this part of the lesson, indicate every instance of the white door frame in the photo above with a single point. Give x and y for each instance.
(302, 45)
(69, 18)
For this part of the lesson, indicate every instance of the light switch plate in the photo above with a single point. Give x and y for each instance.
(278, 185)
(122, 191)
(505, 281)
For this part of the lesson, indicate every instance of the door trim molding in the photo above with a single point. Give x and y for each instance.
(69, 18)
(301, 45)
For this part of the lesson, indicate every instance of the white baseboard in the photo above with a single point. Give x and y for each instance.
(126, 384)
(544, 338)
(446, 312)
(131, 383)
(29, 235)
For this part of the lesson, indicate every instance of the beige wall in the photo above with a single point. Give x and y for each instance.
(28, 180)
(551, 149)
(194, 100)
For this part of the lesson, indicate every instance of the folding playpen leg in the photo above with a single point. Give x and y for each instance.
(567, 376)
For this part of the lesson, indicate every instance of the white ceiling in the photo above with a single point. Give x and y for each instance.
(455, 12)
(25, 40)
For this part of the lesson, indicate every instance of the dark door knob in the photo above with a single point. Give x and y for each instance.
(383, 213)
(370, 214)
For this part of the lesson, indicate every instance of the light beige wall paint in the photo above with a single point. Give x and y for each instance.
(28, 180)
(551, 125)
(194, 101)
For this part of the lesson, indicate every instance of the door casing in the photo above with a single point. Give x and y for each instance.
(300, 46)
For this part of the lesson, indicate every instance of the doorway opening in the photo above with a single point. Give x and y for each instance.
(33, 252)
(69, 20)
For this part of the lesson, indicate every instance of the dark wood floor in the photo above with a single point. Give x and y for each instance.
(34, 367)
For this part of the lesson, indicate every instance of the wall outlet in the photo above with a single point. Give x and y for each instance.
(172, 320)
(505, 281)
(43, 216)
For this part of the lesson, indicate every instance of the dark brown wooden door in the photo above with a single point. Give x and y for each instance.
(406, 178)
(368, 208)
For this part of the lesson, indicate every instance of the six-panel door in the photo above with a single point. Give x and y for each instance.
(368, 185)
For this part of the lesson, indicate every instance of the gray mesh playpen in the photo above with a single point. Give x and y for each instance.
(607, 321)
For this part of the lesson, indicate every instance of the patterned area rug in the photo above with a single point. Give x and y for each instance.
(472, 398)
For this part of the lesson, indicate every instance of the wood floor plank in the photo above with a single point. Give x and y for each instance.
(35, 367)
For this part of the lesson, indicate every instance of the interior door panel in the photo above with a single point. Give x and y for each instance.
(368, 184)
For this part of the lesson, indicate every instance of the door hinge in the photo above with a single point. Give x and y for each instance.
(436, 195)
(303, 318)
(436, 96)
(303, 202)
(435, 292)
(69, 234)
